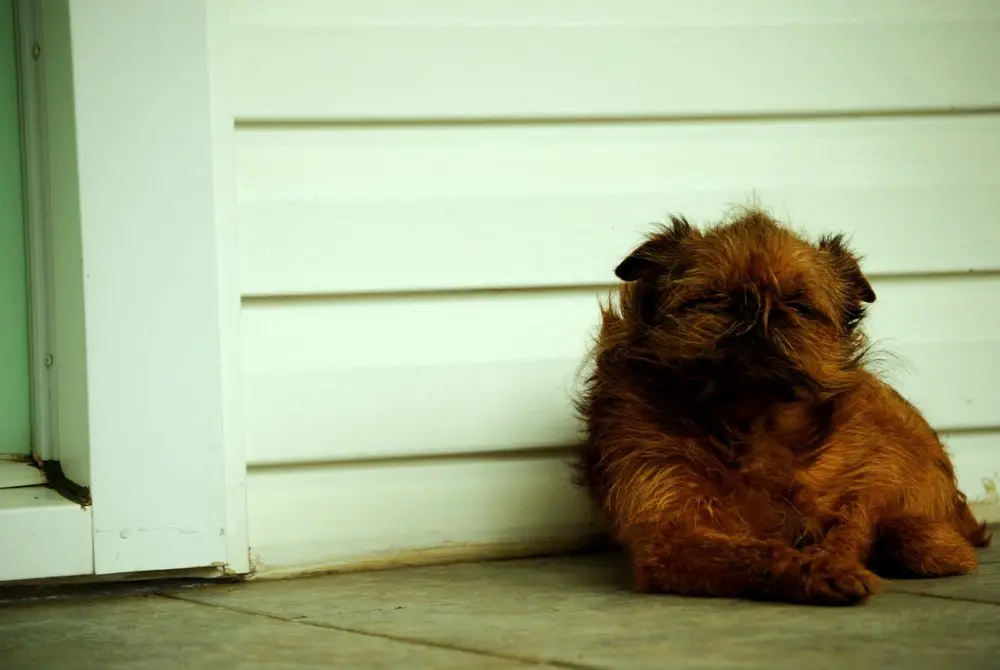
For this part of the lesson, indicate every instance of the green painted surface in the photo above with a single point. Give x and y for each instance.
(15, 386)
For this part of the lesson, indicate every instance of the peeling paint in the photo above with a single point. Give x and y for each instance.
(225, 569)
(990, 487)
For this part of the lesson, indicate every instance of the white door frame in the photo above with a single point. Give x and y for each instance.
(133, 201)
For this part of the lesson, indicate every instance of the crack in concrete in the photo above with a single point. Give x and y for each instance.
(526, 660)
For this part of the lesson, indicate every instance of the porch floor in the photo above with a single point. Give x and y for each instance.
(570, 612)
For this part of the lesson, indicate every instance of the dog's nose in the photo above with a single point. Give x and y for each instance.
(745, 303)
(751, 308)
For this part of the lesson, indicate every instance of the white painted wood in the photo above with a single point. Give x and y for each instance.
(70, 438)
(230, 308)
(371, 210)
(144, 138)
(472, 391)
(15, 474)
(325, 517)
(34, 138)
(359, 378)
(444, 59)
(395, 513)
(43, 535)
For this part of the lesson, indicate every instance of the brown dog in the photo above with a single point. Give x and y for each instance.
(735, 440)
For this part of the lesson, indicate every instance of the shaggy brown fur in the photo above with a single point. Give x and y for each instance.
(735, 440)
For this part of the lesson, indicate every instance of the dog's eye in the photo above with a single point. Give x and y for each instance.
(802, 308)
(702, 302)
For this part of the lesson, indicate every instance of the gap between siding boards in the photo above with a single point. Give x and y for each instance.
(276, 123)
(408, 294)
(496, 455)
(538, 453)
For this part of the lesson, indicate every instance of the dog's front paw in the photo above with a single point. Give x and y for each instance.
(824, 579)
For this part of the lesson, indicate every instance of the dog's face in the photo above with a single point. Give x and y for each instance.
(750, 296)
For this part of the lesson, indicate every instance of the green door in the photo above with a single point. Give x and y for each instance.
(15, 385)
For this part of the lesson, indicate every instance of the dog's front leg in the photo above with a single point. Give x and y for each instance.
(701, 562)
(850, 533)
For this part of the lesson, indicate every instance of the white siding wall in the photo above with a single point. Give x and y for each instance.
(431, 194)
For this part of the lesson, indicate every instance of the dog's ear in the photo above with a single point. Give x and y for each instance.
(848, 267)
(656, 256)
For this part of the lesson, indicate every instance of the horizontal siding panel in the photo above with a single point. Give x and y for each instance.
(495, 372)
(325, 212)
(316, 60)
(380, 412)
(308, 518)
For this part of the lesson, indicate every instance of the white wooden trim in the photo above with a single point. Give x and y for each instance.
(35, 159)
(230, 306)
(43, 535)
(57, 179)
(145, 141)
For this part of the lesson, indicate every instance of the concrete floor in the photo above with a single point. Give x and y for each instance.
(574, 612)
